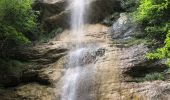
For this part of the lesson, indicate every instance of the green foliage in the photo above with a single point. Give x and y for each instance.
(18, 16)
(45, 37)
(154, 76)
(168, 71)
(153, 15)
(151, 77)
(150, 10)
(17, 23)
(10, 34)
(133, 41)
(12, 67)
(162, 53)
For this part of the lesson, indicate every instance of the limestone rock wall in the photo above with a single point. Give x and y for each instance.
(57, 13)
(111, 80)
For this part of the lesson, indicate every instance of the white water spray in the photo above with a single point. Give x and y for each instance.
(78, 14)
(75, 86)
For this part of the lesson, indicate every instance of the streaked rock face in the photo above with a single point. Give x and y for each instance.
(112, 63)
(56, 14)
(109, 81)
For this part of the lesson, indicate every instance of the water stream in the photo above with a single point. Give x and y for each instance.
(76, 79)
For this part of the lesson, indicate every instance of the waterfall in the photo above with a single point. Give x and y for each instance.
(75, 80)
(78, 15)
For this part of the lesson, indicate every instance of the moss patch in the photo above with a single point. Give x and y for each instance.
(133, 41)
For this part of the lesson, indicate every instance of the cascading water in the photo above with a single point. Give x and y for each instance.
(77, 17)
(75, 81)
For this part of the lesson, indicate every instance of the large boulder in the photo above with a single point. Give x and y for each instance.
(124, 27)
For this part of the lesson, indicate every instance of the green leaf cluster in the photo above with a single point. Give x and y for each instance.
(10, 34)
(162, 53)
(152, 77)
(154, 16)
(17, 19)
(149, 9)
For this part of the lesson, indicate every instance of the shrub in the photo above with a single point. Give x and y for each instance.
(154, 76)
(46, 37)
(18, 14)
(153, 15)
(162, 53)
(17, 23)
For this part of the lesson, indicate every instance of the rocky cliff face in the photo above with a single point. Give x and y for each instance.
(115, 62)
(55, 13)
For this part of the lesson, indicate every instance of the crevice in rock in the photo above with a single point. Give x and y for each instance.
(144, 68)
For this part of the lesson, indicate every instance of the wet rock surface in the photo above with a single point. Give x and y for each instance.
(124, 28)
(88, 56)
(39, 79)
(113, 64)
(51, 18)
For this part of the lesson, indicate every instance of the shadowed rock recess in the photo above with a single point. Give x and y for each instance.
(116, 63)
(60, 17)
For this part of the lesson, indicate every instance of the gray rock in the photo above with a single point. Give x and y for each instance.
(124, 28)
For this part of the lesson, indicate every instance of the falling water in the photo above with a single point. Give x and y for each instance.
(78, 13)
(76, 77)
